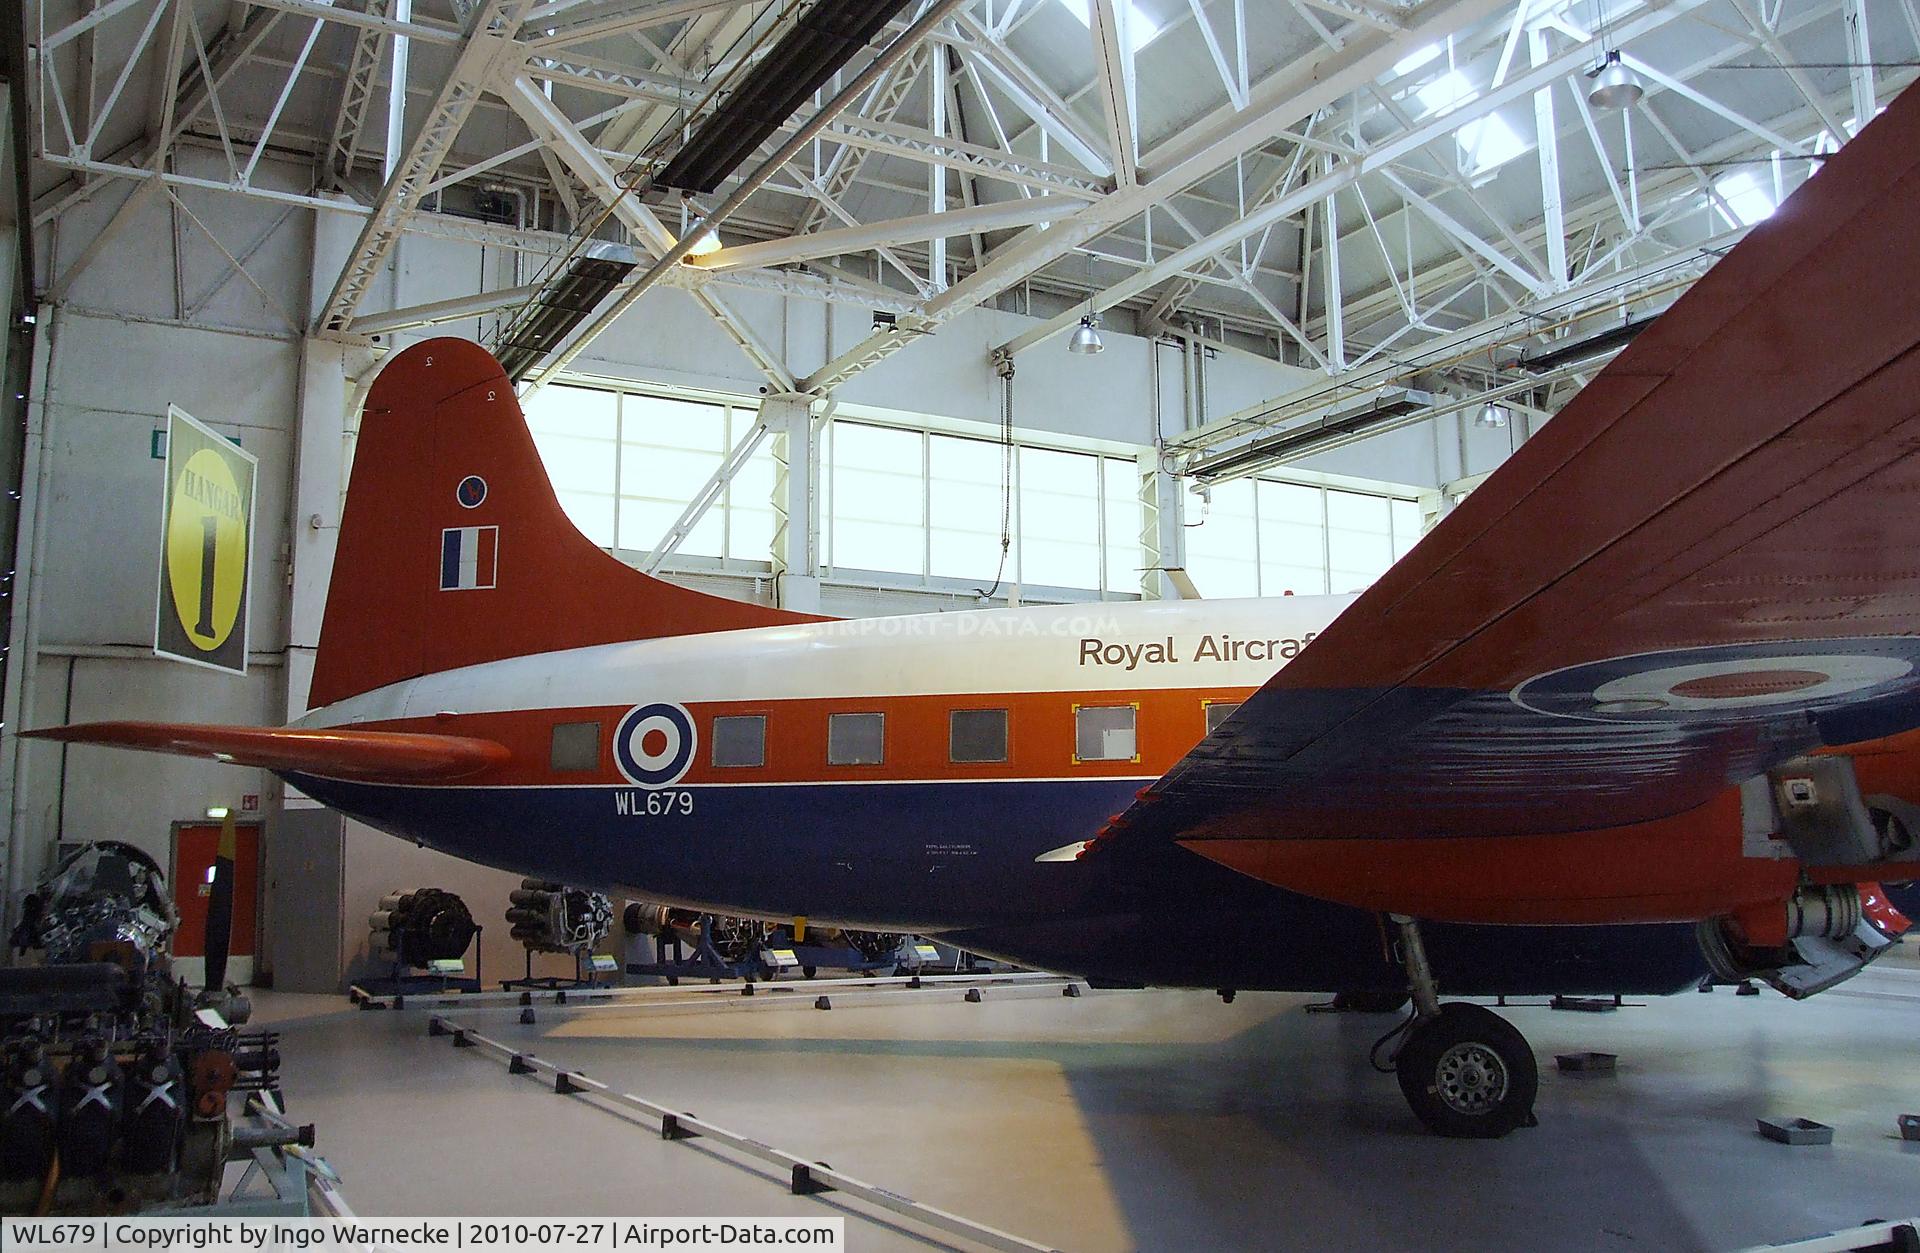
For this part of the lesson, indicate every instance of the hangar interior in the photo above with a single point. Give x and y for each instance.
(1013, 302)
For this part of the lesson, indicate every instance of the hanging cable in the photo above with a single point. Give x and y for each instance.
(1003, 366)
(1373, 1054)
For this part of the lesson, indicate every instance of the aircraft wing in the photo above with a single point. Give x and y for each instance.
(335, 753)
(1707, 563)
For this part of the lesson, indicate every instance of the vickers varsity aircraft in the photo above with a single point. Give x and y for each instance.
(1643, 706)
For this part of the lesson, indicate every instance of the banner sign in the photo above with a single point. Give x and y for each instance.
(206, 549)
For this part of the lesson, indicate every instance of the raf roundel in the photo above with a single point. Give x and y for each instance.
(472, 492)
(654, 744)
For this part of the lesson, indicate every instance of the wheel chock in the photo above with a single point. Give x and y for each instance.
(821, 1002)
(1072, 989)
(974, 997)
(1587, 1063)
(804, 1183)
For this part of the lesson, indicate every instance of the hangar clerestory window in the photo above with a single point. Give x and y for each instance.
(740, 740)
(576, 747)
(1104, 733)
(856, 739)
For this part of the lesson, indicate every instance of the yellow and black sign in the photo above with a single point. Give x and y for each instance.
(206, 547)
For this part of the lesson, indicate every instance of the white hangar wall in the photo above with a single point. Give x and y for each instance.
(130, 332)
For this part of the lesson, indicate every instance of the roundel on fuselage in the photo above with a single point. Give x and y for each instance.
(654, 744)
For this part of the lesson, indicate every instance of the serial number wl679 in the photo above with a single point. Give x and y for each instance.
(642, 803)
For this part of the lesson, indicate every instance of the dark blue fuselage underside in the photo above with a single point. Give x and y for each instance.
(957, 859)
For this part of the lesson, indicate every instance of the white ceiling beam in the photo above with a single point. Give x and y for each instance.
(1349, 172)
(425, 32)
(1031, 94)
(1277, 103)
(438, 311)
(936, 12)
(489, 41)
(1113, 76)
(1000, 215)
(635, 19)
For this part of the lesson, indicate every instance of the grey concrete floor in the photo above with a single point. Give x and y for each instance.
(1149, 1120)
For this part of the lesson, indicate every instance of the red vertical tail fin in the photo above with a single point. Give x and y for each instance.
(454, 550)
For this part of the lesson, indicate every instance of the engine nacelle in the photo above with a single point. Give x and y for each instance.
(1819, 937)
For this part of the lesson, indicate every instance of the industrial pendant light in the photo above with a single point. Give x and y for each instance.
(1086, 338)
(1614, 85)
(1493, 417)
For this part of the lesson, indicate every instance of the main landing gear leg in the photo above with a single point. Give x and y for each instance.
(1464, 1069)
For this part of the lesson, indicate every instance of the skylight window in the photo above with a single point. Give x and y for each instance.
(1485, 143)
(1750, 201)
(1449, 91)
(1415, 59)
(1488, 143)
(1141, 29)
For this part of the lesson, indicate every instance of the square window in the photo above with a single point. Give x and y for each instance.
(1104, 733)
(740, 740)
(856, 739)
(977, 735)
(1218, 711)
(576, 746)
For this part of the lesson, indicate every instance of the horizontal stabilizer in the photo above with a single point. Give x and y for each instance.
(335, 753)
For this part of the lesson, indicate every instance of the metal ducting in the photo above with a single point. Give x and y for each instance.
(822, 41)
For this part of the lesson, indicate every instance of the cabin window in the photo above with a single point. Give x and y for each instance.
(977, 735)
(740, 740)
(856, 739)
(1104, 733)
(1218, 711)
(576, 746)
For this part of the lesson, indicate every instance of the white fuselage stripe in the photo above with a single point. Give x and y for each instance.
(1118, 646)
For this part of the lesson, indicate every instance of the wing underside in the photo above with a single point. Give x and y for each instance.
(336, 753)
(1707, 563)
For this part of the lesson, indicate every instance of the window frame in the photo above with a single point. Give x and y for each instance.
(553, 746)
(713, 736)
(1208, 705)
(881, 714)
(1006, 737)
(1133, 706)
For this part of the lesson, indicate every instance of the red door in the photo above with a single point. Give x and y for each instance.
(194, 846)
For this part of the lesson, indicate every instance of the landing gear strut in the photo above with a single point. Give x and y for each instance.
(1464, 1069)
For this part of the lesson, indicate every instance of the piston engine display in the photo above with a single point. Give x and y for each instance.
(114, 1081)
(554, 918)
(421, 926)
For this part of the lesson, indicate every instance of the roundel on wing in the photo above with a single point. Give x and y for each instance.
(1726, 683)
(654, 744)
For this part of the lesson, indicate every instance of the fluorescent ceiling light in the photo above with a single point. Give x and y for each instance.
(1750, 201)
(1141, 29)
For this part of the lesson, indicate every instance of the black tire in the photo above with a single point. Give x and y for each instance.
(1374, 1001)
(1468, 1073)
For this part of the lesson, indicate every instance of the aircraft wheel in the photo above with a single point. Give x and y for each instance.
(1468, 1073)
